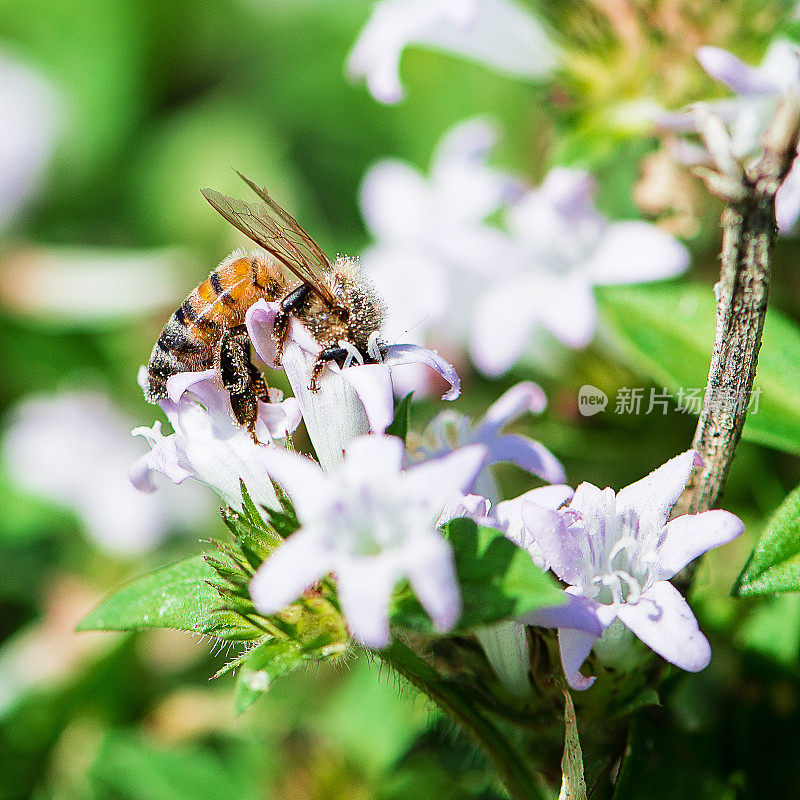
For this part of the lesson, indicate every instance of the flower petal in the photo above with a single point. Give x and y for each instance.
(467, 189)
(733, 72)
(279, 419)
(663, 620)
(365, 587)
(502, 327)
(33, 114)
(302, 479)
(260, 322)
(552, 497)
(577, 612)
(499, 33)
(371, 459)
(396, 354)
(652, 498)
(396, 202)
(575, 646)
(507, 517)
(432, 575)
(787, 201)
(203, 385)
(207, 444)
(441, 479)
(689, 536)
(557, 546)
(591, 502)
(634, 252)
(518, 400)
(298, 563)
(528, 454)
(141, 475)
(163, 457)
(373, 385)
(473, 506)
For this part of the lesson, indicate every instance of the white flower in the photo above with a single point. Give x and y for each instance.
(29, 120)
(450, 430)
(349, 402)
(498, 33)
(564, 247)
(207, 444)
(75, 449)
(617, 553)
(371, 523)
(434, 252)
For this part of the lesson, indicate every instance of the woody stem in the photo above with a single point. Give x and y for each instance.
(749, 230)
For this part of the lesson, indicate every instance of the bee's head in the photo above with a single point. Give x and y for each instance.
(360, 310)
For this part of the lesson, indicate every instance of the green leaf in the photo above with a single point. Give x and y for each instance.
(402, 419)
(177, 596)
(263, 666)
(666, 333)
(498, 581)
(774, 564)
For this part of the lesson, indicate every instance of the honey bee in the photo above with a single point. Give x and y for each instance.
(333, 300)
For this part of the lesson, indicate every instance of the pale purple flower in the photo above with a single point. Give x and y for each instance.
(506, 644)
(450, 430)
(617, 552)
(74, 448)
(564, 247)
(434, 252)
(498, 33)
(29, 122)
(207, 444)
(349, 402)
(758, 90)
(371, 523)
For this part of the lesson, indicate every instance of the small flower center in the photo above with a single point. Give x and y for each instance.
(617, 552)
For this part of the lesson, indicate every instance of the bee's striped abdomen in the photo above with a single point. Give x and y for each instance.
(189, 341)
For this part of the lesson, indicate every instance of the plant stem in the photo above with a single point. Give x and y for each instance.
(749, 231)
(517, 778)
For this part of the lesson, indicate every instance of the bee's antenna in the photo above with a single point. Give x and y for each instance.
(415, 325)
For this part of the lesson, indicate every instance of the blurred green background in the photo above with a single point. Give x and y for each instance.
(150, 103)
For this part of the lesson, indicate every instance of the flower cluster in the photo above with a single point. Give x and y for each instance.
(491, 290)
(496, 263)
(371, 514)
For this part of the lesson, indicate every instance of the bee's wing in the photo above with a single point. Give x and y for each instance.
(268, 225)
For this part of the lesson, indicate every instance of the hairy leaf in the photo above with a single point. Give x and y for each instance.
(177, 596)
(262, 667)
(774, 564)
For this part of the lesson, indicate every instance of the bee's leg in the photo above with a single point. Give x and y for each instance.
(328, 354)
(234, 365)
(245, 410)
(289, 304)
(259, 384)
